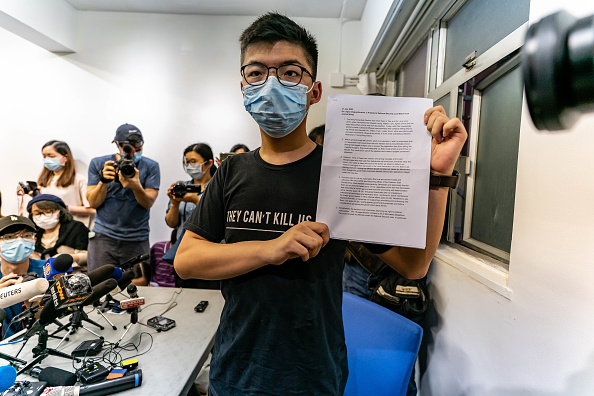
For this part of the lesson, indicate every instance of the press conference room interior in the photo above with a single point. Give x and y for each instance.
(504, 305)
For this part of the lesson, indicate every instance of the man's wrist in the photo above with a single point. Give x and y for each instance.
(103, 179)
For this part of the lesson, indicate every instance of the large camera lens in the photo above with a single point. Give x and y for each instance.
(127, 168)
(558, 68)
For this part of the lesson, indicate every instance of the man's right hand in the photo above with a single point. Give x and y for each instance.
(10, 279)
(303, 240)
(108, 171)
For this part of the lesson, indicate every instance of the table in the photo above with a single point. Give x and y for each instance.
(177, 355)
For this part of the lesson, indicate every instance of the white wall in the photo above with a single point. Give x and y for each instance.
(540, 341)
(176, 77)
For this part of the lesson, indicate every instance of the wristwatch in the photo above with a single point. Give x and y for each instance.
(444, 181)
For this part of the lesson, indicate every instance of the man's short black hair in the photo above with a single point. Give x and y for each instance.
(273, 27)
(317, 134)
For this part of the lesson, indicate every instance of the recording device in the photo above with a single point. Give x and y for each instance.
(223, 156)
(161, 323)
(558, 70)
(52, 375)
(126, 165)
(201, 306)
(27, 388)
(70, 290)
(88, 348)
(56, 267)
(23, 291)
(29, 186)
(132, 379)
(180, 189)
(93, 372)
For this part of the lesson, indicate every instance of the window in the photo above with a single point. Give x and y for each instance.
(468, 63)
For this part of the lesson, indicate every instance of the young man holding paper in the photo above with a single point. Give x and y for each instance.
(281, 275)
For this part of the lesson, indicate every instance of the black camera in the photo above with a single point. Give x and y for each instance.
(29, 186)
(558, 68)
(126, 165)
(180, 189)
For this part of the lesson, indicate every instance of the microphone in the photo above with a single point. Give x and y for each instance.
(100, 274)
(132, 380)
(100, 290)
(126, 279)
(52, 375)
(56, 267)
(70, 290)
(23, 291)
(7, 377)
(134, 301)
(134, 260)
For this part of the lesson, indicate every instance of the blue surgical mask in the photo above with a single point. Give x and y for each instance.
(137, 156)
(17, 251)
(195, 170)
(52, 164)
(276, 108)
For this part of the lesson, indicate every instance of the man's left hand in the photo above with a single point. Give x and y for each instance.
(448, 135)
(133, 182)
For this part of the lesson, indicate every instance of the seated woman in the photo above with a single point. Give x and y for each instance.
(58, 233)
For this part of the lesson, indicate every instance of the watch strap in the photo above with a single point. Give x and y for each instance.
(444, 181)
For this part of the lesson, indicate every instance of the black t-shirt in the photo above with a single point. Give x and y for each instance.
(281, 328)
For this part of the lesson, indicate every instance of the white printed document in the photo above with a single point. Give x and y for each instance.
(374, 184)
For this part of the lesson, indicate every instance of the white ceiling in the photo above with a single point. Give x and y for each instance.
(293, 8)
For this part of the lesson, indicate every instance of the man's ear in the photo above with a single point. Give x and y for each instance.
(316, 93)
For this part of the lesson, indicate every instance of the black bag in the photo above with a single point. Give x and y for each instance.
(407, 297)
(391, 290)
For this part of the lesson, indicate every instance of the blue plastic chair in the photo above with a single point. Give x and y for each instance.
(382, 348)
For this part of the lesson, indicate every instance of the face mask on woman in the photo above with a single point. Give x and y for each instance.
(52, 164)
(17, 251)
(195, 170)
(47, 221)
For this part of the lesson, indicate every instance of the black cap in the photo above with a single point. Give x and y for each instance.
(124, 132)
(13, 220)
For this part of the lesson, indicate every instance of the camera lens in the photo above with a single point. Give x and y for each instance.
(558, 68)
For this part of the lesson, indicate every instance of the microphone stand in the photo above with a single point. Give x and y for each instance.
(100, 310)
(41, 351)
(75, 323)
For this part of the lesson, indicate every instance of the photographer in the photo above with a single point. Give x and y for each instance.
(17, 242)
(199, 165)
(122, 187)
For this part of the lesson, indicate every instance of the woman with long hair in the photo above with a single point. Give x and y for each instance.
(198, 162)
(59, 178)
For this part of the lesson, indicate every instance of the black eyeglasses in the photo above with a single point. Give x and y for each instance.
(289, 75)
(134, 143)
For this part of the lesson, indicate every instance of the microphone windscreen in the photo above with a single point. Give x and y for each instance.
(100, 290)
(57, 377)
(117, 274)
(100, 274)
(23, 291)
(49, 313)
(63, 262)
(127, 277)
(7, 377)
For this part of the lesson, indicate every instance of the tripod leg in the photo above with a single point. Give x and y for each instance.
(86, 319)
(54, 352)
